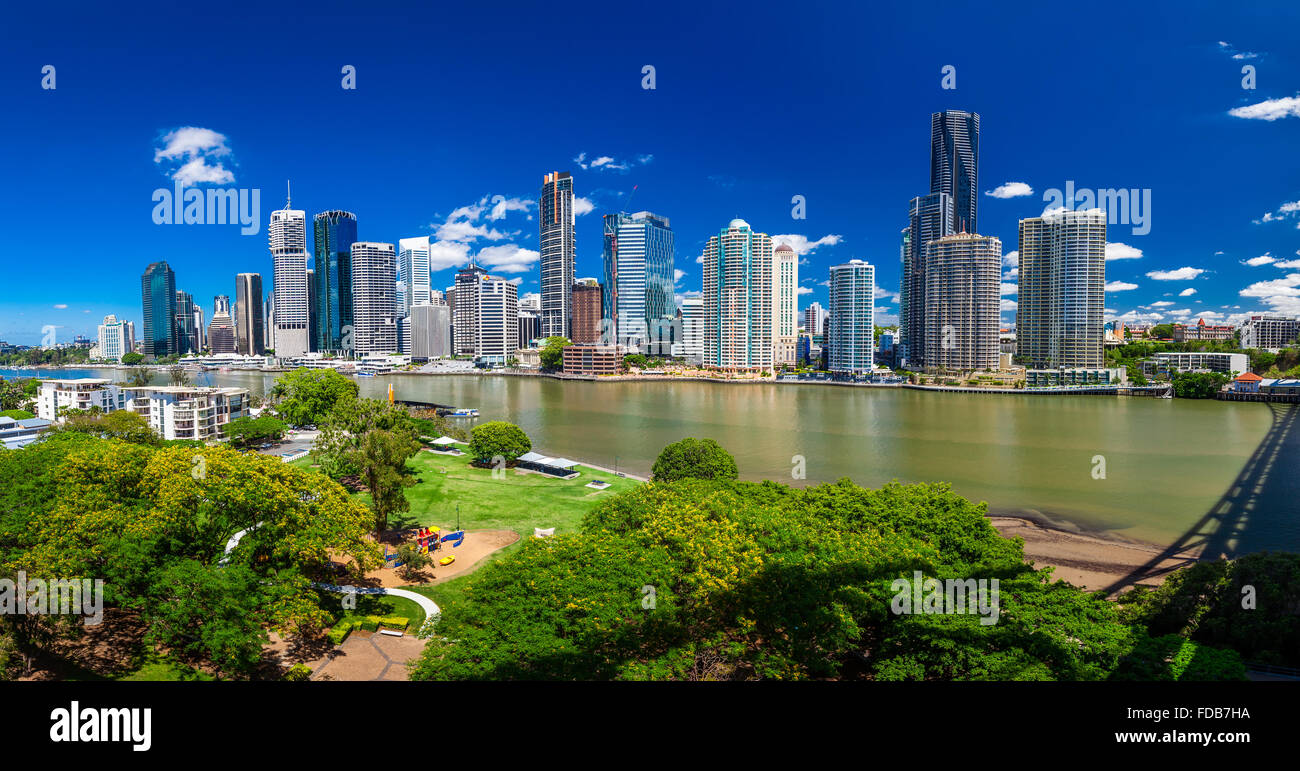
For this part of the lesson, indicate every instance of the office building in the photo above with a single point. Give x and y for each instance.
(1062, 290)
(586, 299)
(158, 288)
(186, 330)
(785, 308)
(852, 329)
(486, 316)
(814, 319)
(738, 299)
(558, 251)
(530, 327)
(334, 234)
(291, 321)
(430, 331)
(221, 332)
(250, 327)
(962, 302)
(639, 301)
(1270, 331)
(1202, 331)
(592, 359)
(374, 303)
(116, 338)
(415, 283)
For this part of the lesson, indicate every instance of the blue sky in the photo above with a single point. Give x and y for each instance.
(753, 104)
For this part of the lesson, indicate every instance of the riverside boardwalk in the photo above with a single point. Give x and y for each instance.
(1163, 390)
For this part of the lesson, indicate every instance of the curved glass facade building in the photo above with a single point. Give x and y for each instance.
(335, 233)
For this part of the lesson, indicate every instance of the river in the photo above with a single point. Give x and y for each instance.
(1144, 468)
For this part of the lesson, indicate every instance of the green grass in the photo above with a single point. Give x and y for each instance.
(373, 605)
(163, 670)
(519, 502)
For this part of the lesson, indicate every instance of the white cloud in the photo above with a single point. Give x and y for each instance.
(1287, 264)
(678, 273)
(1006, 306)
(804, 290)
(1009, 288)
(501, 205)
(1231, 50)
(508, 258)
(1010, 190)
(1263, 259)
(801, 245)
(1119, 286)
(1188, 292)
(881, 293)
(447, 254)
(1287, 209)
(61, 306)
(190, 153)
(1178, 274)
(1011, 259)
(1269, 109)
(1161, 304)
(1118, 251)
(609, 163)
(582, 206)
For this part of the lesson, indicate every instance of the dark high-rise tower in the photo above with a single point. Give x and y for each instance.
(250, 327)
(930, 218)
(954, 164)
(158, 291)
(556, 239)
(335, 232)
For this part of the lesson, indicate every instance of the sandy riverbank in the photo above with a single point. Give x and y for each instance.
(1091, 560)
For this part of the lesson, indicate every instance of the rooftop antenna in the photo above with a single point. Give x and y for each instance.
(288, 194)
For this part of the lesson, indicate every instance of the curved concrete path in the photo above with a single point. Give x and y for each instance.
(429, 607)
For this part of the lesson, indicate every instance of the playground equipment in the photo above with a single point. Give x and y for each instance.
(450, 558)
(458, 537)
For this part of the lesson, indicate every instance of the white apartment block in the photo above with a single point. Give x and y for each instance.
(963, 293)
(691, 345)
(78, 394)
(374, 304)
(1269, 331)
(188, 412)
(853, 321)
(1062, 290)
(785, 306)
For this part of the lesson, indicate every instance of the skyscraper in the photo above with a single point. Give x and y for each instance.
(486, 315)
(930, 217)
(221, 332)
(413, 273)
(639, 303)
(785, 313)
(430, 331)
(374, 304)
(116, 338)
(558, 251)
(962, 298)
(186, 333)
(158, 290)
(954, 165)
(586, 300)
(1062, 289)
(288, 242)
(334, 232)
(738, 299)
(813, 316)
(851, 336)
(691, 345)
(249, 328)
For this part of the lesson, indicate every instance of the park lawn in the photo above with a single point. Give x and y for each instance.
(377, 605)
(519, 502)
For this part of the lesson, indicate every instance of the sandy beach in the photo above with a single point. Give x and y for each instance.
(1092, 560)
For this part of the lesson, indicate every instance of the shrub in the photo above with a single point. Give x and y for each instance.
(298, 673)
(694, 459)
(497, 437)
(395, 622)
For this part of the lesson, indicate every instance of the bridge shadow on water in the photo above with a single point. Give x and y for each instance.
(1260, 511)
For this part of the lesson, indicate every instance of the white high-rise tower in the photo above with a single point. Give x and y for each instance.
(288, 240)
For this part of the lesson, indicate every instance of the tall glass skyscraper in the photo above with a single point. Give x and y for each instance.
(250, 324)
(954, 165)
(639, 303)
(158, 291)
(851, 339)
(558, 251)
(335, 233)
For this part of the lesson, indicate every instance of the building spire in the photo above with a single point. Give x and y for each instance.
(288, 195)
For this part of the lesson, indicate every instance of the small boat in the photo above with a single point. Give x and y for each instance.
(445, 561)
(463, 413)
(365, 374)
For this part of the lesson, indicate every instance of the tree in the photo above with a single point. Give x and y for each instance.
(177, 375)
(119, 424)
(209, 613)
(498, 438)
(307, 396)
(373, 440)
(138, 377)
(13, 395)
(1198, 385)
(132, 358)
(694, 458)
(413, 560)
(246, 432)
(552, 353)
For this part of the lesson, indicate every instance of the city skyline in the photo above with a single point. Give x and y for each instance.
(474, 195)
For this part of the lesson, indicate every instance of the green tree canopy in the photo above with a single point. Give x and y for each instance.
(247, 432)
(132, 358)
(552, 353)
(694, 458)
(306, 396)
(119, 424)
(498, 438)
